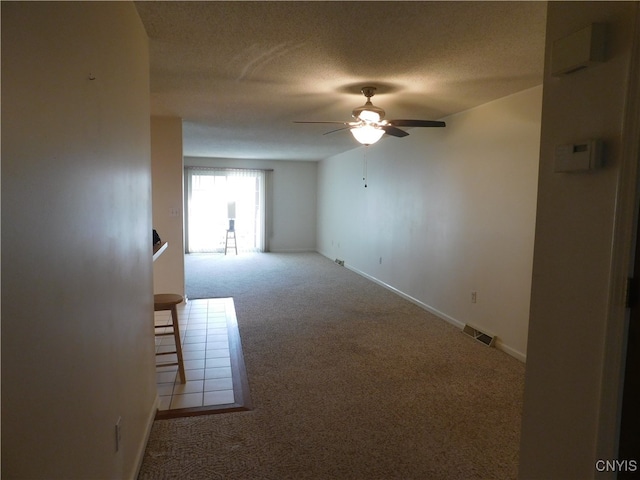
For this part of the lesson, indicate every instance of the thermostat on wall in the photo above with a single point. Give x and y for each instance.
(578, 157)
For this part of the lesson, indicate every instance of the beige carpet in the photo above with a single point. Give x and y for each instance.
(348, 381)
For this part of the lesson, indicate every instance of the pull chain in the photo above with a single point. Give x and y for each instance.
(364, 166)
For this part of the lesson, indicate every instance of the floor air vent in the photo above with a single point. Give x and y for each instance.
(482, 337)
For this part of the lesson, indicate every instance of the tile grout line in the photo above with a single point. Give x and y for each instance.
(186, 315)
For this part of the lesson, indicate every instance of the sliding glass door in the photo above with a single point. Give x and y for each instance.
(219, 200)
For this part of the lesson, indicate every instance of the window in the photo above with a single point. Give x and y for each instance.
(216, 196)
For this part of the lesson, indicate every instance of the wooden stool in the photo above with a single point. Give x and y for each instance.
(168, 301)
(230, 237)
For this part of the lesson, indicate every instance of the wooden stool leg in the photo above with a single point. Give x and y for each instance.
(176, 334)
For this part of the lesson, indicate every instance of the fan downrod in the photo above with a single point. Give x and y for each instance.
(368, 91)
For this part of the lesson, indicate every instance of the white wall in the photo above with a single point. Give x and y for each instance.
(77, 336)
(445, 212)
(291, 207)
(583, 235)
(167, 181)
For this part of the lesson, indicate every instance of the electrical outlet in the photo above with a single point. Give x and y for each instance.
(118, 432)
(474, 297)
(380, 260)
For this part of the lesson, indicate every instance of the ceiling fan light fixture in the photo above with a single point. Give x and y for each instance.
(368, 112)
(367, 134)
(368, 125)
(369, 116)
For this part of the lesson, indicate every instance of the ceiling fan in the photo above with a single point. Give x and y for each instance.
(369, 124)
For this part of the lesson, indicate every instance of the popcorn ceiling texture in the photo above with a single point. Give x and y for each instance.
(240, 73)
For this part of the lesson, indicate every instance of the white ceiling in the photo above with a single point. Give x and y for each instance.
(240, 73)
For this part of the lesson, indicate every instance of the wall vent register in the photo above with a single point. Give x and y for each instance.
(482, 337)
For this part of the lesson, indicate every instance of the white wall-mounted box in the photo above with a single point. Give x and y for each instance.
(579, 50)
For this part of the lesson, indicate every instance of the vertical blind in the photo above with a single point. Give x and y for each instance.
(217, 195)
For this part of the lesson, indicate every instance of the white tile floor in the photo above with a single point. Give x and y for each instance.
(205, 346)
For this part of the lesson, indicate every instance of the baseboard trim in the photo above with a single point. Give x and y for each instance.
(291, 250)
(421, 304)
(447, 318)
(143, 446)
(500, 345)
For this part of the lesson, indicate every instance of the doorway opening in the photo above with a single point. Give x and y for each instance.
(220, 200)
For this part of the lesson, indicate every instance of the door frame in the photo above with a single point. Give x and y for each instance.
(623, 258)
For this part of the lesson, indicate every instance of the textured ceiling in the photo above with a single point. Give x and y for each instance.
(240, 73)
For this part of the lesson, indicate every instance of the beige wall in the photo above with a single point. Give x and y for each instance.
(445, 212)
(168, 217)
(77, 336)
(582, 238)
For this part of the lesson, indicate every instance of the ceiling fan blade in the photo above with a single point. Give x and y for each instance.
(393, 131)
(417, 123)
(336, 130)
(342, 123)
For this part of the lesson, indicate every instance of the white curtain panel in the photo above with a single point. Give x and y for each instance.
(217, 196)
